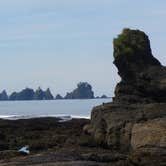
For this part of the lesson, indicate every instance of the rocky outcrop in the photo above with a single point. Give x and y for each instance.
(58, 97)
(83, 91)
(25, 94)
(3, 95)
(29, 94)
(143, 77)
(135, 120)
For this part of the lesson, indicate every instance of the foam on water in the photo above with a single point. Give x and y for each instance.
(62, 117)
(63, 109)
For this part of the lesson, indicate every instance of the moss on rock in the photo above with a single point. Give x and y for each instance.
(130, 42)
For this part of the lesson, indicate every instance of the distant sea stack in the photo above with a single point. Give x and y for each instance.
(25, 94)
(29, 94)
(83, 91)
(58, 97)
(3, 95)
(43, 95)
(135, 122)
(103, 97)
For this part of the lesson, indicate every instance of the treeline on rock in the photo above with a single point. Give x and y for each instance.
(83, 91)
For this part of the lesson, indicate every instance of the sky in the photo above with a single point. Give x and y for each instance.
(58, 43)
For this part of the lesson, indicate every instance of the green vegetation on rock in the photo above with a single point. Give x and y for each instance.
(29, 94)
(25, 94)
(83, 91)
(130, 42)
(132, 54)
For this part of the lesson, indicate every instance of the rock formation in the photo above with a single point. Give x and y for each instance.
(136, 119)
(25, 94)
(29, 94)
(83, 91)
(43, 95)
(48, 95)
(3, 95)
(103, 97)
(58, 97)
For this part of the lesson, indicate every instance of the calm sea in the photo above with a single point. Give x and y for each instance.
(53, 108)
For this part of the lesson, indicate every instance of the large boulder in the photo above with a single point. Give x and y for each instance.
(135, 119)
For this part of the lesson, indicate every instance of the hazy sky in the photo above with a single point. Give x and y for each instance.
(58, 43)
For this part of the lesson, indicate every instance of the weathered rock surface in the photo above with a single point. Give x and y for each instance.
(150, 134)
(136, 119)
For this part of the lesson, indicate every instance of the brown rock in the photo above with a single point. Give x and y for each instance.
(87, 129)
(147, 156)
(135, 120)
(149, 134)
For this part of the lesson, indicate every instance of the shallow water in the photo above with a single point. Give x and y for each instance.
(53, 108)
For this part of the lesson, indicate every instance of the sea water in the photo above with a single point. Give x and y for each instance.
(49, 108)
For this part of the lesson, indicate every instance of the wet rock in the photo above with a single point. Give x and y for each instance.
(7, 154)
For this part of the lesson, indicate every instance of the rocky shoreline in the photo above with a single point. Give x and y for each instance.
(52, 143)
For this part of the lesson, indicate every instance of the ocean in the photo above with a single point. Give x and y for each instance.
(49, 108)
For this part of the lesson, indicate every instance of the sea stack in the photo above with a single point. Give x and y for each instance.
(135, 121)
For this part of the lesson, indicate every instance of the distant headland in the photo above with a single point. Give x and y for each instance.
(82, 91)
